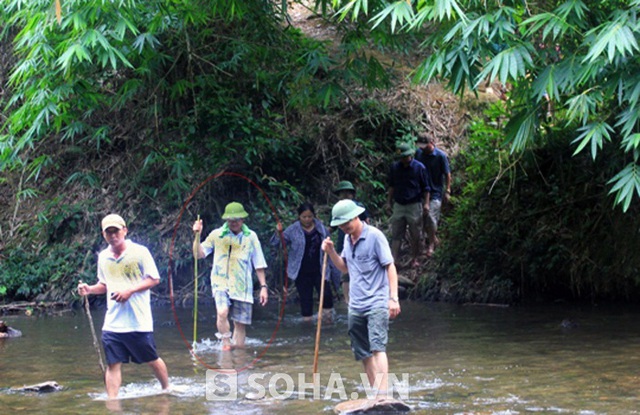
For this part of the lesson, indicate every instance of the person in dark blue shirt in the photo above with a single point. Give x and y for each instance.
(408, 199)
(439, 173)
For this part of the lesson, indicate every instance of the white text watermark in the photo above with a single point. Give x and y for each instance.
(224, 386)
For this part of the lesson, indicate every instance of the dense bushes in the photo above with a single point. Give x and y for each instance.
(536, 226)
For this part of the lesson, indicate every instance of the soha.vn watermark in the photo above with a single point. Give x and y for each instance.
(223, 386)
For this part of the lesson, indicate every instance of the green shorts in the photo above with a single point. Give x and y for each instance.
(406, 216)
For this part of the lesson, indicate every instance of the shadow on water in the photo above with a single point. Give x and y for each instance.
(453, 360)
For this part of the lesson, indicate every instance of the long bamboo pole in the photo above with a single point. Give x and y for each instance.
(195, 293)
(96, 345)
(319, 328)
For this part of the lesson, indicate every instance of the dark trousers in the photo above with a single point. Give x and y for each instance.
(305, 283)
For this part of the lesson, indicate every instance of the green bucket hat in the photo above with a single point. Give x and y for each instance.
(344, 211)
(344, 185)
(404, 150)
(234, 210)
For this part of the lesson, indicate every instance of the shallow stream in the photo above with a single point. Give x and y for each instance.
(448, 359)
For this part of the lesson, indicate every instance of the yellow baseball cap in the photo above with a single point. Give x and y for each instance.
(113, 221)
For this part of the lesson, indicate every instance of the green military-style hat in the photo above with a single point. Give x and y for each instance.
(234, 210)
(405, 149)
(344, 185)
(344, 211)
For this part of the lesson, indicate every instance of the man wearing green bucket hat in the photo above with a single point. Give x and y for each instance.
(373, 288)
(346, 190)
(237, 251)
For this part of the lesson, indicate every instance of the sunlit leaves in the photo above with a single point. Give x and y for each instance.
(573, 10)
(551, 25)
(615, 38)
(145, 40)
(90, 35)
(76, 53)
(480, 26)
(628, 122)
(399, 12)
(446, 9)
(631, 142)
(430, 67)
(626, 184)
(593, 135)
(581, 106)
(510, 63)
(351, 8)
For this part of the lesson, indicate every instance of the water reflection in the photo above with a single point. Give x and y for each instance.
(236, 359)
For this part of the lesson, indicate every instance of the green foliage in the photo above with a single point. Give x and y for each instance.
(582, 56)
(127, 106)
(538, 226)
(26, 273)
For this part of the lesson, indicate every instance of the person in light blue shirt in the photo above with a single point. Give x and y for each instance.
(346, 190)
(373, 288)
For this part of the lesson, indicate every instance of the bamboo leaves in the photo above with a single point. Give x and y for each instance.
(594, 134)
(626, 184)
(510, 63)
(400, 12)
(580, 57)
(615, 39)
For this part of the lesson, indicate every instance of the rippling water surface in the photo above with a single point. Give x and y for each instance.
(453, 360)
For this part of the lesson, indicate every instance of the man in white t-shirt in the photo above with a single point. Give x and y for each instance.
(126, 273)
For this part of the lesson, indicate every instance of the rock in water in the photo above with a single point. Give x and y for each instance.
(44, 387)
(6, 331)
(371, 406)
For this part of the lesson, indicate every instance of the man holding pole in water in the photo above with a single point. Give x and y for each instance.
(237, 251)
(373, 288)
(126, 272)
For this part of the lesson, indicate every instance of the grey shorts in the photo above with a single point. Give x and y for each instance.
(239, 311)
(368, 331)
(431, 220)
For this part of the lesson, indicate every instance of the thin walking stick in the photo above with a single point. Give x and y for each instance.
(315, 356)
(96, 345)
(195, 293)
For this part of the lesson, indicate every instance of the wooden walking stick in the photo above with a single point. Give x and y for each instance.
(318, 329)
(195, 292)
(96, 345)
